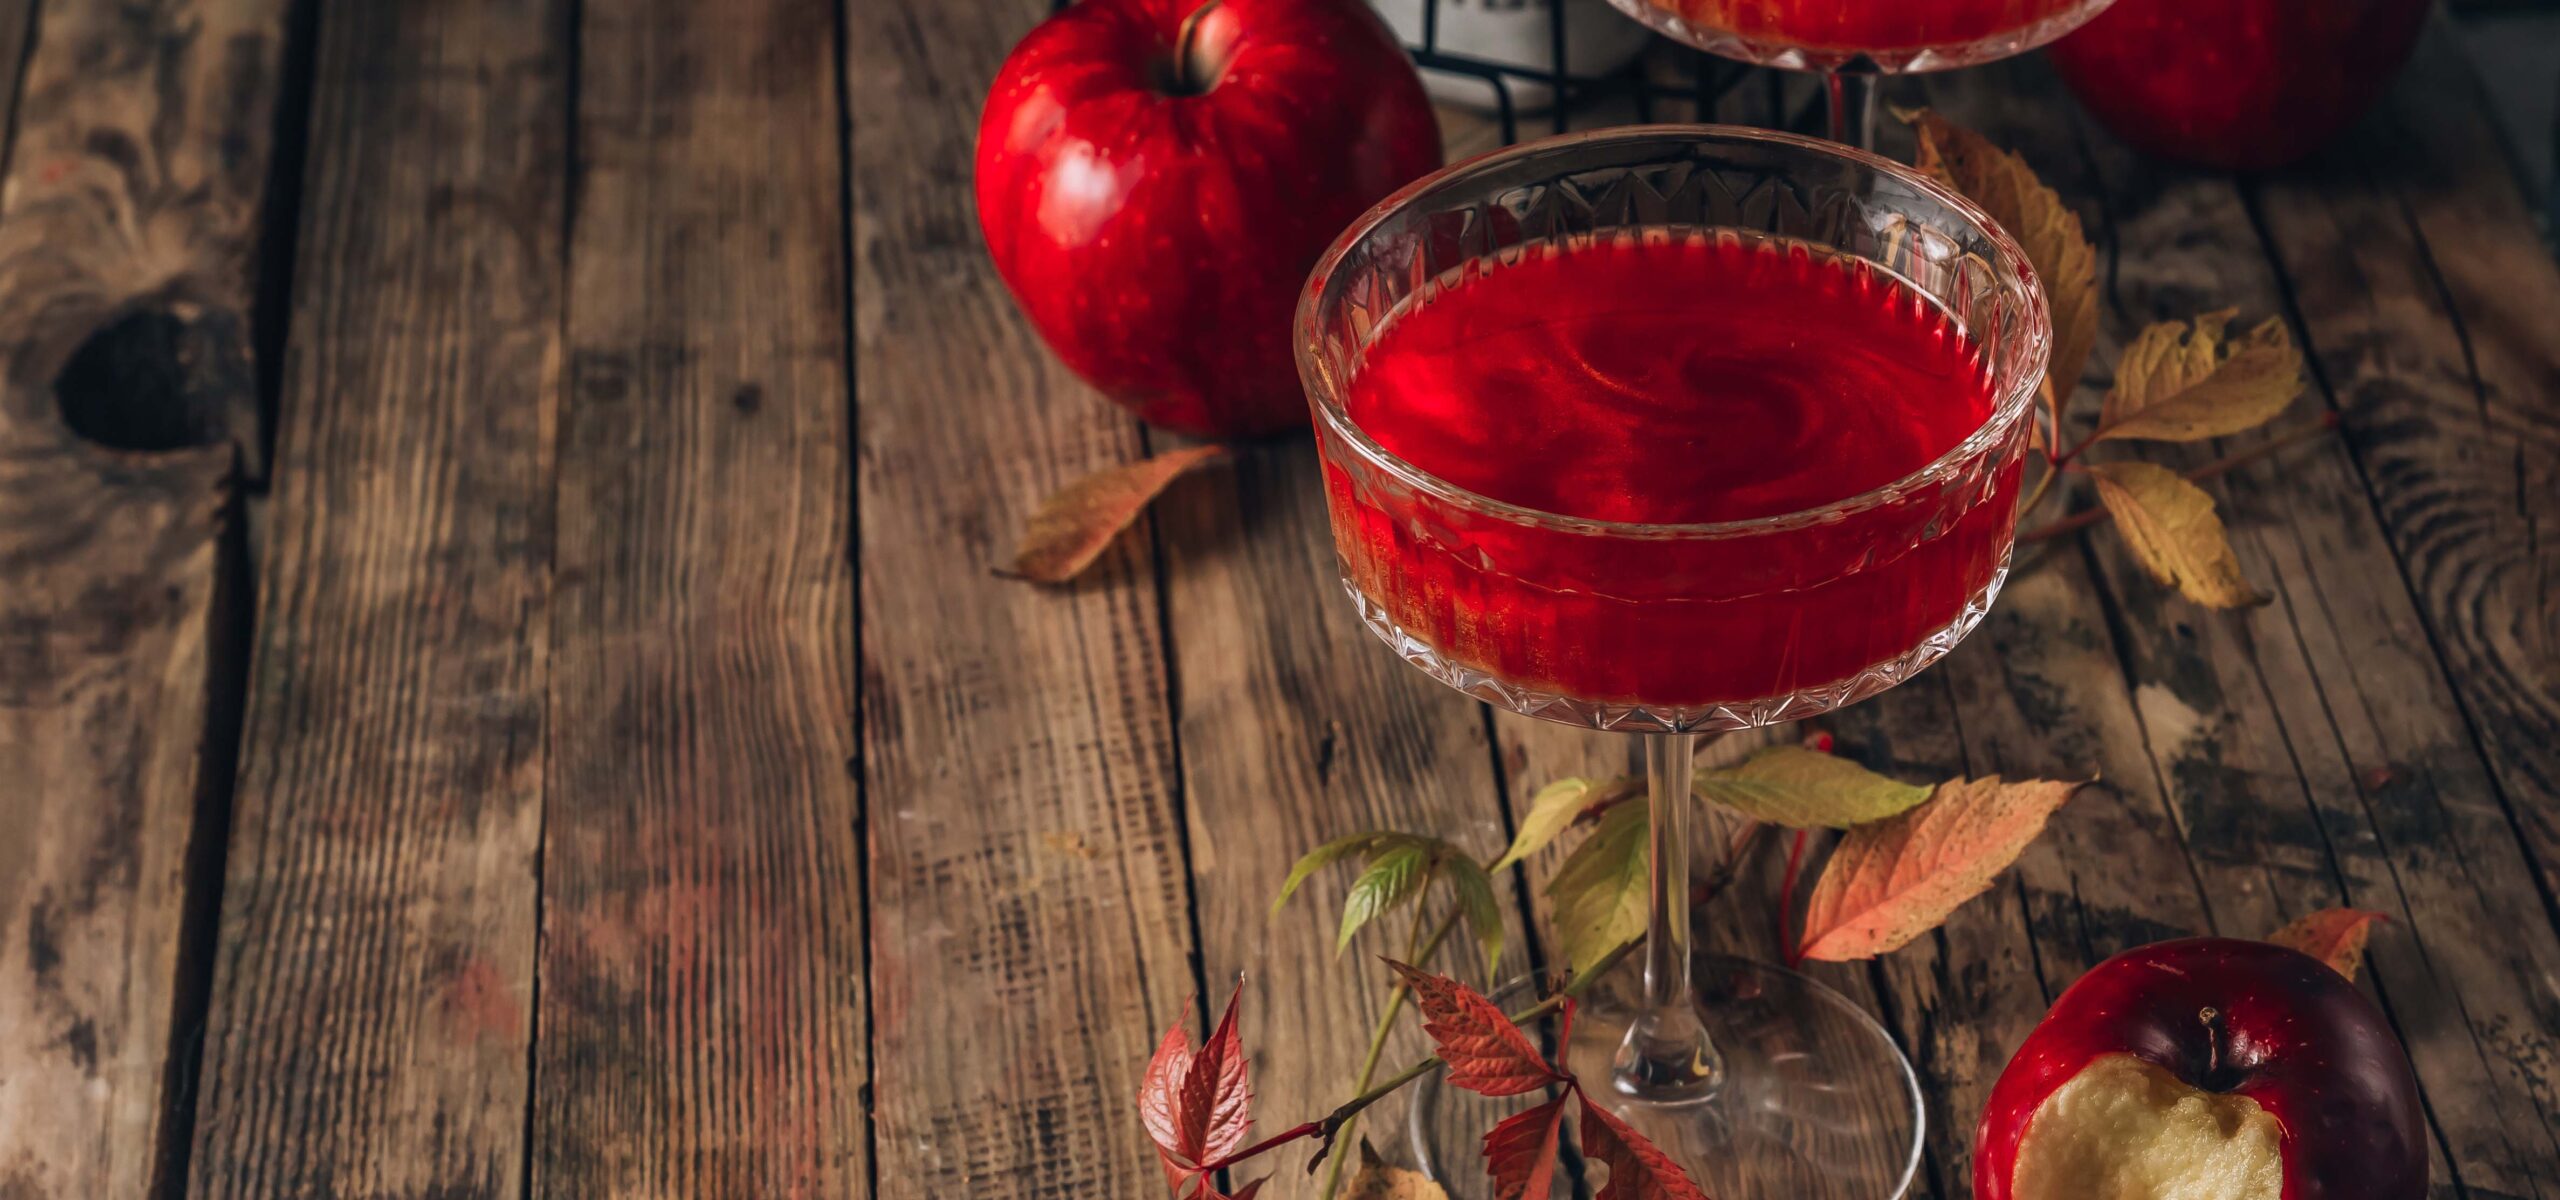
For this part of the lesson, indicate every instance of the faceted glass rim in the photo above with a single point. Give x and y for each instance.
(2011, 271)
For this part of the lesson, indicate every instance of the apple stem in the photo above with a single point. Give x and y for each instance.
(1186, 74)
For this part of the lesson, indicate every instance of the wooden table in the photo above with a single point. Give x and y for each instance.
(502, 692)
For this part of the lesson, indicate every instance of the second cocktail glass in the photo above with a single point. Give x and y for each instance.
(1675, 430)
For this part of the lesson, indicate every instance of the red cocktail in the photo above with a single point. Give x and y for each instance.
(1674, 378)
(1677, 429)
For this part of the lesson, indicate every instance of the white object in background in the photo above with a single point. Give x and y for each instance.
(1515, 33)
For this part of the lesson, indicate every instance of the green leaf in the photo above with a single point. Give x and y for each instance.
(1555, 807)
(1806, 789)
(1600, 891)
(1474, 889)
(1392, 878)
(1321, 857)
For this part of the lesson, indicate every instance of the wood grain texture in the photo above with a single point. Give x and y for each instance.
(1298, 727)
(2411, 258)
(1030, 916)
(702, 1030)
(369, 1025)
(127, 222)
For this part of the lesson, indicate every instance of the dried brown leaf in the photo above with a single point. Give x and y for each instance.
(2184, 383)
(1891, 881)
(1074, 526)
(2335, 936)
(2174, 534)
(1375, 1180)
(2044, 226)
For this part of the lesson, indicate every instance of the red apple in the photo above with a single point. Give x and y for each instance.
(2205, 1069)
(2236, 83)
(1155, 200)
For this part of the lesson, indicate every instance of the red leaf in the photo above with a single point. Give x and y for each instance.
(1073, 527)
(1638, 1170)
(1216, 1104)
(1196, 1106)
(1158, 1091)
(1243, 1193)
(2335, 936)
(1521, 1151)
(1486, 1053)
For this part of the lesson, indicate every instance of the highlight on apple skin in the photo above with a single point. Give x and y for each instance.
(2206, 1069)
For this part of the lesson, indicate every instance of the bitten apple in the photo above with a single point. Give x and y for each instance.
(1154, 196)
(2205, 1069)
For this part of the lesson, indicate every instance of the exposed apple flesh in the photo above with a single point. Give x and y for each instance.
(2123, 1129)
(2180, 1071)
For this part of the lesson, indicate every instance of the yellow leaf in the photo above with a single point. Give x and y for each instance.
(2335, 936)
(1807, 789)
(2045, 228)
(2170, 525)
(1600, 890)
(2183, 383)
(1556, 806)
(1072, 528)
(1377, 1181)
(1898, 878)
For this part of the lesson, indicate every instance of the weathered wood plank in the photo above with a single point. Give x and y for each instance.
(127, 238)
(1298, 727)
(702, 1031)
(1030, 914)
(371, 1013)
(2415, 267)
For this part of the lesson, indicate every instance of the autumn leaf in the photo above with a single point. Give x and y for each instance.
(1074, 526)
(1196, 1106)
(1486, 1053)
(1891, 881)
(1520, 1152)
(1393, 877)
(1801, 789)
(1324, 856)
(1473, 887)
(1599, 893)
(1638, 1170)
(2184, 383)
(1375, 1180)
(1557, 806)
(2170, 525)
(2335, 936)
(2045, 228)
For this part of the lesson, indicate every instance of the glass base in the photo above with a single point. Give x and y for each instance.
(1815, 1101)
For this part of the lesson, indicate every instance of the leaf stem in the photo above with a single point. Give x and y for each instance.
(1418, 950)
(1334, 1121)
(2220, 466)
(1787, 899)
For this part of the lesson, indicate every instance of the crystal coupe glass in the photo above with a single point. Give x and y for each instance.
(1851, 42)
(1710, 253)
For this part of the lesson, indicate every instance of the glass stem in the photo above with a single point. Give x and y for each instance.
(1852, 103)
(1666, 1054)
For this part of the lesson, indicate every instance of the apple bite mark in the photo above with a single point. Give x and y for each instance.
(2124, 1129)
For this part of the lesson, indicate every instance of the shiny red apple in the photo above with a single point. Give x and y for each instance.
(2236, 83)
(1154, 195)
(2206, 1069)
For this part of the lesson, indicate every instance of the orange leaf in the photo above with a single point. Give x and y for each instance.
(1638, 1170)
(1895, 879)
(1375, 1180)
(1074, 526)
(1486, 1053)
(2170, 525)
(2045, 228)
(2335, 936)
